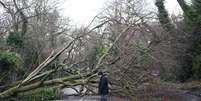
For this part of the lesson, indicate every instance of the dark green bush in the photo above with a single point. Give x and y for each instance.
(10, 61)
(168, 77)
(197, 67)
(15, 39)
(10, 67)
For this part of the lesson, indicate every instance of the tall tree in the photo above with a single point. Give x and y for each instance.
(164, 17)
(192, 22)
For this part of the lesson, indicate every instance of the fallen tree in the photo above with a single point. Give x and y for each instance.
(79, 79)
(87, 79)
(118, 46)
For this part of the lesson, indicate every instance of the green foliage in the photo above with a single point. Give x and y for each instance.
(101, 50)
(192, 18)
(197, 10)
(10, 61)
(168, 77)
(197, 5)
(184, 71)
(43, 94)
(2, 42)
(189, 19)
(95, 54)
(15, 39)
(163, 16)
(197, 67)
(195, 16)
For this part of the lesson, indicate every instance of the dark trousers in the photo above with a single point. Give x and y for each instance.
(103, 98)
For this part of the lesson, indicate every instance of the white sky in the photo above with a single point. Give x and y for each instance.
(83, 11)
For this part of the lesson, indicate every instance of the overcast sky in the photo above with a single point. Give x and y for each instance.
(83, 11)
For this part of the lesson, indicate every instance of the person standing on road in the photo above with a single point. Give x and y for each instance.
(103, 88)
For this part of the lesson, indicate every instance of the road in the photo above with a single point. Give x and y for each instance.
(158, 96)
(93, 98)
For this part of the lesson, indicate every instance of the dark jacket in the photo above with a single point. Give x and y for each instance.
(103, 88)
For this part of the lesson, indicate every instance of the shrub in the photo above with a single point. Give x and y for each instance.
(15, 39)
(168, 77)
(10, 61)
(197, 67)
